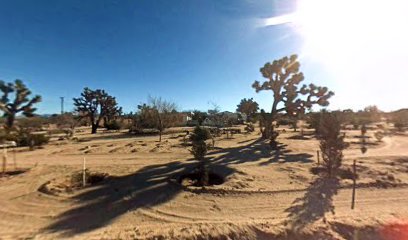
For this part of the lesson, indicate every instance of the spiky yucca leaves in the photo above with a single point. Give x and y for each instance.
(283, 79)
(199, 149)
(95, 105)
(331, 142)
(21, 103)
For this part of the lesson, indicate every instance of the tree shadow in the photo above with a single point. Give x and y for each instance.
(100, 205)
(151, 186)
(317, 201)
(284, 155)
(299, 137)
(255, 151)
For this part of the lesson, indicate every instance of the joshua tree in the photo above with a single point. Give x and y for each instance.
(249, 107)
(199, 150)
(21, 103)
(95, 105)
(112, 114)
(164, 113)
(331, 142)
(283, 79)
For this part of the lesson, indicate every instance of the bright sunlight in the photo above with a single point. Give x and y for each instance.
(359, 41)
(339, 29)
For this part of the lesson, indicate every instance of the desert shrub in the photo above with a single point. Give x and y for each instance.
(363, 130)
(379, 136)
(148, 131)
(32, 123)
(331, 143)
(114, 125)
(249, 128)
(24, 138)
(91, 178)
(199, 149)
(285, 121)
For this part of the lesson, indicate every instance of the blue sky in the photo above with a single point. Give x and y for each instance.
(190, 52)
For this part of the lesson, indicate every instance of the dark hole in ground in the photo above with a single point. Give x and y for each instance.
(192, 179)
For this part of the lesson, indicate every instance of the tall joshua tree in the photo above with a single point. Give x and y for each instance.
(95, 105)
(21, 103)
(283, 79)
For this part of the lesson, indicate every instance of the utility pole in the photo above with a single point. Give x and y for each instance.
(62, 105)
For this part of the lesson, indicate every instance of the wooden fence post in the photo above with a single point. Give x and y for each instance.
(84, 173)
(14, 158)
(353, 197)
(4, 160)
(318, 157)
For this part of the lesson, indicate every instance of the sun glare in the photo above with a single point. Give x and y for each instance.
(338, 30)
(360, 42)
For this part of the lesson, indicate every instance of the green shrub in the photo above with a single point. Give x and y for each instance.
(331, 143)
(24, 138)
(199, 149)
(249, 128)
(114, 125)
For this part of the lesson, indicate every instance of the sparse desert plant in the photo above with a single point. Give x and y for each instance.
(95, 105)
(66, 122)
(199, 150)
(249, 107)
(24, 138)
(164, 114)
(199, 116)
(34, 123)
(21, 103)
(283, 77)
(113, 125)
(363, 130)
(400, 120)
(249, 128)
(331, 143)
(379, 136)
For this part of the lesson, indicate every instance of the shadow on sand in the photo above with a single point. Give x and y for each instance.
(257, 150)
(317, 201)
(150, 186)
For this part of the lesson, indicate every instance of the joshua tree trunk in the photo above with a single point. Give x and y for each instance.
(94, 128)
(10, 121)
(204, 178)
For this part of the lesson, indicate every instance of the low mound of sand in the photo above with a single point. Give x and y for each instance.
(69, 183)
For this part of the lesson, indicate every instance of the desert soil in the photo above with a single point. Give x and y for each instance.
(266, 194)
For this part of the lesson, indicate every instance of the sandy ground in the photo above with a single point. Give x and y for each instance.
(266, 195)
